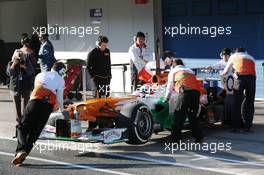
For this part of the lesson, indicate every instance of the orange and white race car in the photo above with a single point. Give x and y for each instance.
(132, 119)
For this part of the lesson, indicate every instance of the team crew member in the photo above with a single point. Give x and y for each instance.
(225, 54)
(99, 66)
(47, 92)
(244, 88)
(168, 57)
(21, 74)
(139, 55)
(184, 82)
(46, 56)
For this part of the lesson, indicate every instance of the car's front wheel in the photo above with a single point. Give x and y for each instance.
(139, 124)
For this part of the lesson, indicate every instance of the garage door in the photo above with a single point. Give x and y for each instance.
(201, 28)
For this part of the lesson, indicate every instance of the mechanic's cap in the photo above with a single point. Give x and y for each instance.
(60, 68)
(225, 51)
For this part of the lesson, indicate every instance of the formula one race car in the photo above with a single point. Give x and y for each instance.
(134, 119)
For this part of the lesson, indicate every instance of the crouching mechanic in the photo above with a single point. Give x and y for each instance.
(184, 82)
(48, 91)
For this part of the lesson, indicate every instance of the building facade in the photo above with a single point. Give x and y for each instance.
(196, 29)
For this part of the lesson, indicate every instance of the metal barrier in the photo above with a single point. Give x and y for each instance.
(84, 78)
(124, 69)
(84, 82)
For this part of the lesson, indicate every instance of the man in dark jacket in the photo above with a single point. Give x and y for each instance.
(99, 67)
(46, 53)
(21, 75)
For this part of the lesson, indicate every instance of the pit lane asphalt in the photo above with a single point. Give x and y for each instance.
(245, 157)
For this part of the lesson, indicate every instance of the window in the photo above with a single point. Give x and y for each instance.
(177, 9)
(201, 7)
(254, 7)
(228, 7)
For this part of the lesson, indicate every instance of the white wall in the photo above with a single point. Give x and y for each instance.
(20, 16)
(121, 20)
(158, 30)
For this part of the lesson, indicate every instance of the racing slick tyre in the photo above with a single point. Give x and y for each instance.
(139, 124)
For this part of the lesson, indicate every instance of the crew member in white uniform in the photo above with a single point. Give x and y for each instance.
(47, 92)
(139, 55)
(225, 54)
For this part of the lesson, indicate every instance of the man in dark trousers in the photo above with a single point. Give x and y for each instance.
(182, 80)
(244, 88)
(20, 71)
(48, 91)
(99, 67)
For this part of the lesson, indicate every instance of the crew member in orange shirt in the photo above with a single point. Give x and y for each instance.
(244, 89)
(182, 80)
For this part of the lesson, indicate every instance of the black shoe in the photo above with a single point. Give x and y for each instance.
(242, 125)
(248, 130)
(200, 141)
(235, 131)
(173, 139)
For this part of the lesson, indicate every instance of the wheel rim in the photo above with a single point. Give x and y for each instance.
(144, 123)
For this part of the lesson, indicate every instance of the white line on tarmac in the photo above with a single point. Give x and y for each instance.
(164, 162)
(107, 152)
(233, 161)
(196, 159)
(68, 164)
(199, 158)
(155, 161)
